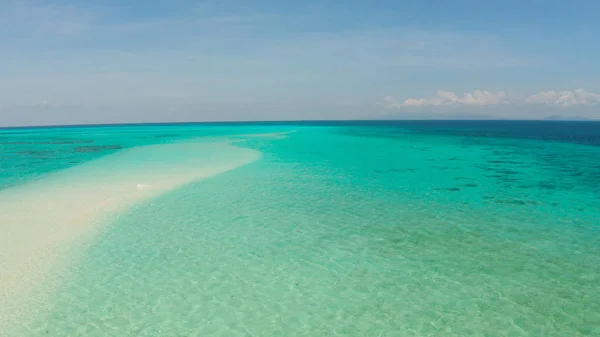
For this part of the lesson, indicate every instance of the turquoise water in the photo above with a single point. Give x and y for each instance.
(335, 229)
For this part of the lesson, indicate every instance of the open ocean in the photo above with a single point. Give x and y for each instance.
(437, 228)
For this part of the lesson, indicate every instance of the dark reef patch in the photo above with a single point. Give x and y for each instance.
(505, 171)
(97, 148)
(451, 189)
(34, 153)
(511, 162)
(547, 185)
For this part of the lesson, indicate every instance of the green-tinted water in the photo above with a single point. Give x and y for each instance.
(349, 230)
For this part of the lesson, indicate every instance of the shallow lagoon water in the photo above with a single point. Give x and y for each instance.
(335, 229)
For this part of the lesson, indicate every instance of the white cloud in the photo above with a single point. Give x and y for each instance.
(564, 98)
(479, 98)
(448, 98)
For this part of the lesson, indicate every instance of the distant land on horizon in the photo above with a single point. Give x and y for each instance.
(567, 118)
(478, 116)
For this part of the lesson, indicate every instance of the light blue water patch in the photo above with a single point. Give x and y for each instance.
(357, 230)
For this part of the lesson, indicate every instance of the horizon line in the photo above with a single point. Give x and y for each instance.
(275, 122)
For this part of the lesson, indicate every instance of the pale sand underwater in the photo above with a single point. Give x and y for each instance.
(42, 219)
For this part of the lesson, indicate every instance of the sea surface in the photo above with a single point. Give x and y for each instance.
(301, 229)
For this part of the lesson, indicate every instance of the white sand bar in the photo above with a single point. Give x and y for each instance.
(40, 220)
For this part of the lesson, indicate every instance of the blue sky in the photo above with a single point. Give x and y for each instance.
(146, 61)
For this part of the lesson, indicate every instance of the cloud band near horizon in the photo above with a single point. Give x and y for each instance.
(481, 98)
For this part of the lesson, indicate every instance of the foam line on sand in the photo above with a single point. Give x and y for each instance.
(41, 220)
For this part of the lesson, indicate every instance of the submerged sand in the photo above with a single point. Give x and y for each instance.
(42, 220)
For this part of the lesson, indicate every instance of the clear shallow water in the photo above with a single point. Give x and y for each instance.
(354, 229)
